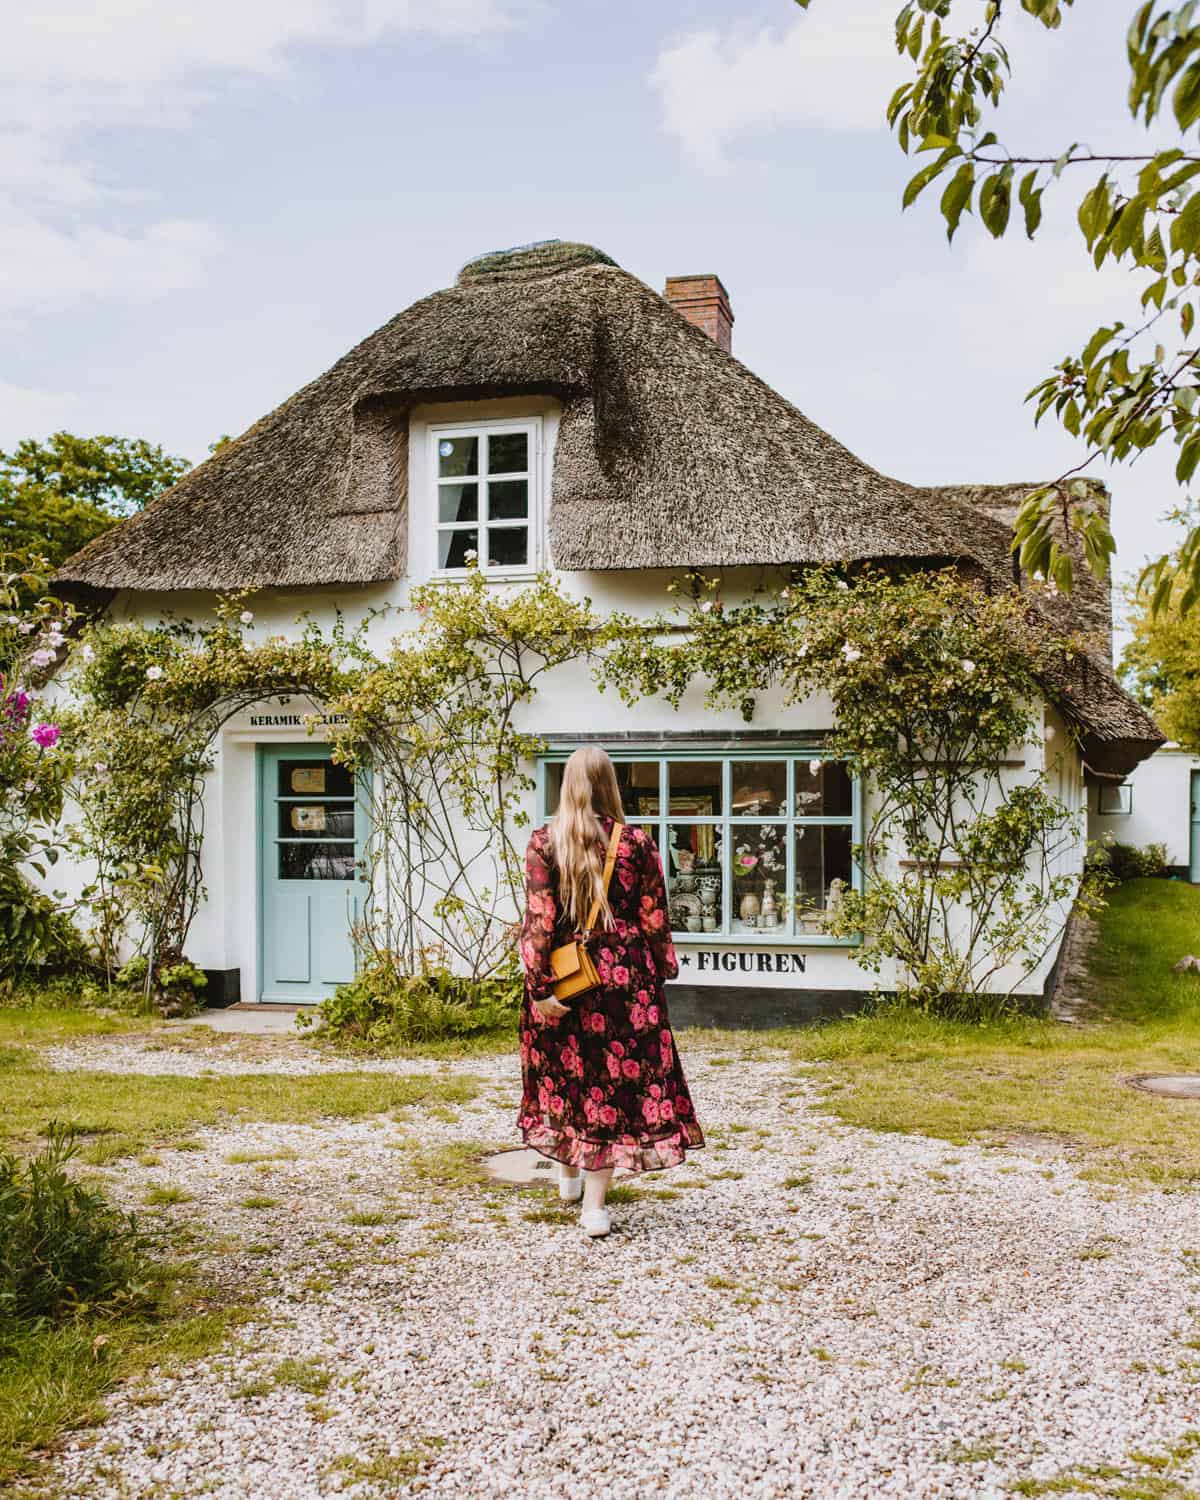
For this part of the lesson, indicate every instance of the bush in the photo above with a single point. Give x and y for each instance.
(64, 1249)
(384, 1007)
(1128, 862)
(34, 934)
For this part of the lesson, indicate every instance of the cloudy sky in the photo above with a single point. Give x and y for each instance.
(203, 205)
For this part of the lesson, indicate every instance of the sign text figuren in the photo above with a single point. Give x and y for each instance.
(716, 960)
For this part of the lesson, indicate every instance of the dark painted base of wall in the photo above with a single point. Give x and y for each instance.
(756, 1009)
(739, 1005)
(224, 988)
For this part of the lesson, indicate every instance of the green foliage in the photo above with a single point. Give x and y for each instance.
(1130, 862)
(35, 762)
(57, 496)
(63, 1249)
(1130, 387)
(934, 684)
(438, 724)
(1161, 667)
(385, 1006)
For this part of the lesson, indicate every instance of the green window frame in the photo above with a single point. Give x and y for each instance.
(783, 832)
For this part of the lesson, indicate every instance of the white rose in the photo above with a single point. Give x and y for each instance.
(246, 617)
(850, 652)
(470, 555)
(1050, 732)
(967, 666)
(153, 674)
(814, 768)
(88, 653)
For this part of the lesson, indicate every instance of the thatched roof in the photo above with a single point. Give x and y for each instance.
(670, 452)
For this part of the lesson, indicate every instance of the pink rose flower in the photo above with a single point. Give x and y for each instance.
(597, 1095)
(591, 1111)
(637, 1017)
(617, 1049)
(614, 1067)
(608, 1115)
(652, 1015)
(630, 1068)
(666, 1110)
(620, 976)
(656, 1091)
(650, 1111)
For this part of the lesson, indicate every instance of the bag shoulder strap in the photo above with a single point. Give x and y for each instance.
(610, 861)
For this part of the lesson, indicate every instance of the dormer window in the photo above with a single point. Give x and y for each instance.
(488, 502)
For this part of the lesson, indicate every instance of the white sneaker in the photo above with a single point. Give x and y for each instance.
(570, 1189)
(596, 1222)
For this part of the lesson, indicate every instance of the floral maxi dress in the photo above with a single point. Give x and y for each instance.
(603, 1085)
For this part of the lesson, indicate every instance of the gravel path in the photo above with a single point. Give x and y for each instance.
(805, 1309)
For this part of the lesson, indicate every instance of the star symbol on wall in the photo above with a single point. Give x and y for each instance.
(684, 960)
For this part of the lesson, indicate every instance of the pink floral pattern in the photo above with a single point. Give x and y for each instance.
(603, 1085)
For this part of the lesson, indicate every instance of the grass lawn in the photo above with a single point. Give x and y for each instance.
(1041, 1077)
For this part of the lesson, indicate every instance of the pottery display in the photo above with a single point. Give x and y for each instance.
(694, 922)
(686, 859)
(748, 909)
(686, 882)
(709, 920)
(768, 915)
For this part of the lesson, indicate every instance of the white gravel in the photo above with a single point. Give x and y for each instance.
(183, 1056)
(917, 1320)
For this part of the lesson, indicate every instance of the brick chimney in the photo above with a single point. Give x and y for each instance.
(704, 302)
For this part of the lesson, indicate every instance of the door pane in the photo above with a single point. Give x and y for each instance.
(316, 820)
(823, 871)
(822, 789)
(694, 787)
(692, 864)
(759, 788)
(759, 877)
(314, 778)
(508, 547)
(453, 547)
(508, 500)
(458, 455)
(458, 502)
(508, 453)
(316, 861)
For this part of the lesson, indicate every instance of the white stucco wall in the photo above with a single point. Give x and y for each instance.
(1160, 810)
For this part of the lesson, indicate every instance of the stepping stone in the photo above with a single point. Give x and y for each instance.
(524, 1165)
(1168, 1085)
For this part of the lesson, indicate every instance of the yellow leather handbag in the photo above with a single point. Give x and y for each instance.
(571, 964)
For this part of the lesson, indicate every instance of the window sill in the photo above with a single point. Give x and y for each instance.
(489, 575)
(743, 940)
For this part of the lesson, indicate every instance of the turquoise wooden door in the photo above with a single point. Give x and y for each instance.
(310, 883)
(1194, 865)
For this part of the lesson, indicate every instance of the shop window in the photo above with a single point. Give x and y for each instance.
(754, 847)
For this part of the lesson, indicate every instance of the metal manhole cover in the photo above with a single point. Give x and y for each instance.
(524, 1165)
(1168, 1085)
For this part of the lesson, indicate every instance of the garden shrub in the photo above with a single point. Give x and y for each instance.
(64, 1249)
(34, 933)
(1129, 862)
(384, 1006)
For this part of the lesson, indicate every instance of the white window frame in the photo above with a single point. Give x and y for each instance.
(1124, 799)
(487, 428)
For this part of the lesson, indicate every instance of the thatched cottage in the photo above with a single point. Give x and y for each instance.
(549, 410)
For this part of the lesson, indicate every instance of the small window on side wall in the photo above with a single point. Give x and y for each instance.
(1115, 800)
(486, 497)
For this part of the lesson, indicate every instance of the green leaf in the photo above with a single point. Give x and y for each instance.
(957, 196)
(1030, 197)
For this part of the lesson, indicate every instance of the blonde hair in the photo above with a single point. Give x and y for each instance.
(589, 791)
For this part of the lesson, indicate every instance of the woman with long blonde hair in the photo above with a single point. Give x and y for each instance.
(603, 1085)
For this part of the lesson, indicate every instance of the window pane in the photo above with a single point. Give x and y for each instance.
(316, 861)
(458, 455)
(638, 780)
(309, 778)
(692, 864)
(694, 787)
(823, 870)
(453, 547)
(554, 775)
(759, 788)
(508, 499)
(458, 502)
(759, 876)
(822, 789)
(508, 453)
(508, 547)
(316, 820)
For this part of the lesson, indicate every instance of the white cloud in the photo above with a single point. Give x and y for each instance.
(70, 69)
(24, 409)
(833, 67)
